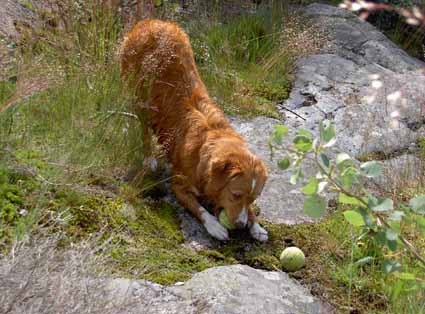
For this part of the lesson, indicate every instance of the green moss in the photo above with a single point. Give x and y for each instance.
(16, 210)
(151, 247)
(7, 88)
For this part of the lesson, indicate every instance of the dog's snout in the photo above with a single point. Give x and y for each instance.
(242, 219)
(240, 225)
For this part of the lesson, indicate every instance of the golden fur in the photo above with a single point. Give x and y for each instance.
(210, 160)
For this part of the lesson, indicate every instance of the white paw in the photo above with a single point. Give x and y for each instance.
(151, 162)
(214, 227)
(258, 232)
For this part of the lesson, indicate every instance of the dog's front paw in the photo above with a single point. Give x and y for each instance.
(258, 232)
(214, 227)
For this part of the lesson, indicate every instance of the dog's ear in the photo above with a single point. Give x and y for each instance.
(224, 167)
(260, 175)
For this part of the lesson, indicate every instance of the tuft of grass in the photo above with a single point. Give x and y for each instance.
(7, 88)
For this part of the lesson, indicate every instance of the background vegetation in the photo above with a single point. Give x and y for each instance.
(71, 155)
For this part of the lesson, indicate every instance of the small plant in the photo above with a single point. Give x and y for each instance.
(382, 221)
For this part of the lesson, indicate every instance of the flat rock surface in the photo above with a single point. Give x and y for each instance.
(235, 289)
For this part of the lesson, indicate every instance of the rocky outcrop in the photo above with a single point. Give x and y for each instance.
(370, 88)
(235, 289)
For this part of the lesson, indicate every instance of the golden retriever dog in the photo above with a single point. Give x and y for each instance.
(210, 161)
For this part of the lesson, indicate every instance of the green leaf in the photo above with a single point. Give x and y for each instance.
(383, 205)
(372, 201)
(279, 132)
(315, 206)
(304, 132)
(312, 186)
(284, 163)
(396, 216)
(303, 143)
(325, 160)
(392, 245)
(327, 133)
(418, 204)
(349, 177)
(345, 199)
(354, 218)
(380, 238)
(343, 161)
(340, 158)
(395, 225)
(371, 169)
(389, 266)
(364, 261)
(391, 235)
(296, 176)
(406, 276)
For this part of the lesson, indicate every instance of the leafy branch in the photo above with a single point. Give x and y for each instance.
(347, 177)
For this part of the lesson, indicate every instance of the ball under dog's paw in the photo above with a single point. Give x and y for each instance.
(258, 232)
(224, 221)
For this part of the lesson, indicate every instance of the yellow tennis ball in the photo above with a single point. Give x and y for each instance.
(292, 259)
(224, 221)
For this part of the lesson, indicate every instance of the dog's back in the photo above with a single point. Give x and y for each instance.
(157, 58)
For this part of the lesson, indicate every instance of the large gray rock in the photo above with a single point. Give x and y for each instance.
(370, 88)
(232, 289)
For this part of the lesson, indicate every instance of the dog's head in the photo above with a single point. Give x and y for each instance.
(235, 179)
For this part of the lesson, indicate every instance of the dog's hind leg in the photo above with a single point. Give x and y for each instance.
(186, 196)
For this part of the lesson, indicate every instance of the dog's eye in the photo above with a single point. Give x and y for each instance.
(236, 196)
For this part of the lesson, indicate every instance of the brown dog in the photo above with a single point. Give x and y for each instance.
(210, 160)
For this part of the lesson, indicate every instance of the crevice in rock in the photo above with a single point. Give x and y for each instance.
(309, 100)
(413, 125)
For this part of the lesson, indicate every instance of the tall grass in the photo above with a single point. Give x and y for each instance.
(81, 119)
(233, 54)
